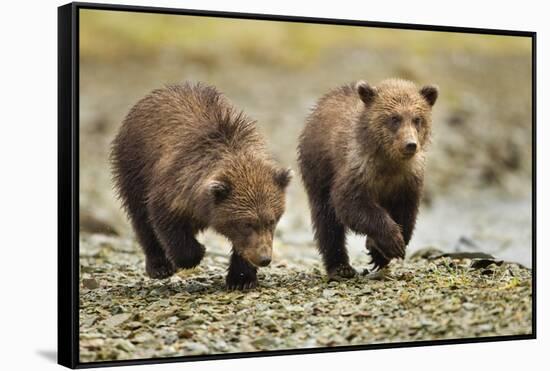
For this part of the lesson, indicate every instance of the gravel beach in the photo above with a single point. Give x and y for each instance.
(126, 315)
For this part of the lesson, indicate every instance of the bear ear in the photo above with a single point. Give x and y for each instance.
(430, 93)
(365, 91)
(219, 190)
(282, 177)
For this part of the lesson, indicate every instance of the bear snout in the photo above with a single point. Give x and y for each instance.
(261, 257)
(264, 261)
(410, 148)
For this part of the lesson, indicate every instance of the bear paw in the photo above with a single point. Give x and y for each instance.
(159, 268)
(378, 261)
(241, 281)
(190, 256)
(341, 271)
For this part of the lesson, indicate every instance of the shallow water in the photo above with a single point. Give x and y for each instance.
(483, 221)
(501, 227)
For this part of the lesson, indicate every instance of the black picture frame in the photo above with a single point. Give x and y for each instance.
(68, 180)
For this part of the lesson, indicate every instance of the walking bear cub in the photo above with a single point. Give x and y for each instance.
(362, 156)
(185, 159)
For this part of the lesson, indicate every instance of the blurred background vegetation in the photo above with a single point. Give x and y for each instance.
(478, 185)
(203, 39)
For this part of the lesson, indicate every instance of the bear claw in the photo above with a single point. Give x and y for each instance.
(242, 285)
(377, 260)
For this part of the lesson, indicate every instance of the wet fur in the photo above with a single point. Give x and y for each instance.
(354, 172)
(185, 159)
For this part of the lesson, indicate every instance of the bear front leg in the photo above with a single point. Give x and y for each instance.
(241, 275)
(364, 216)
(177, 238)
(386, 235)
(403, 210)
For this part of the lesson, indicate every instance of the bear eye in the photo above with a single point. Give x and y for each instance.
(249, 225)
(417, 121)
(395, 121)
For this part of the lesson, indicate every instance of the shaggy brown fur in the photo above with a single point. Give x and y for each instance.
(361, 156)
(185, 159)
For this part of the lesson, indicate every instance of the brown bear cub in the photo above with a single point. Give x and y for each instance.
(361, 156)
(185, 159)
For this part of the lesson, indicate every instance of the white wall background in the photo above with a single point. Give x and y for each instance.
(28, 182)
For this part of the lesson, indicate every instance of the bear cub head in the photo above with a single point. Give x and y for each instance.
(246, 199)
(396, 118)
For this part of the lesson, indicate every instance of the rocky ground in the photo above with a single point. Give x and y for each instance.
(126, 315)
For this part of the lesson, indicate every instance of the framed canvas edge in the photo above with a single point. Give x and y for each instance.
(68, 181)
(305, 351)
(67, 159)
(300, 19)
(534, 183)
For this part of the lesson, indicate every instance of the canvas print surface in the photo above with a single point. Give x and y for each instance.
(231, 171)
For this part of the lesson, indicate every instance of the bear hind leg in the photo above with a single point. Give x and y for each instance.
(191, 252)
(157, 264)
(177, 238)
